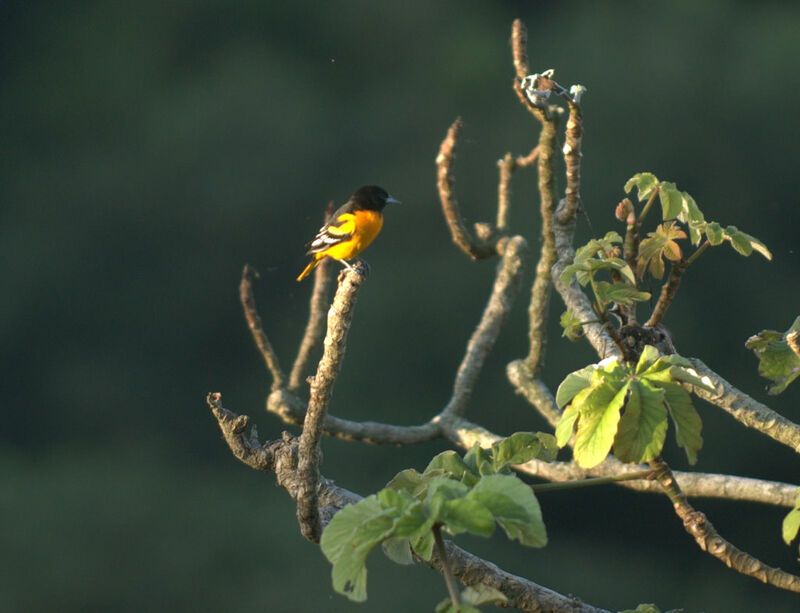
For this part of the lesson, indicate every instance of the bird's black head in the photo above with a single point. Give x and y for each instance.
(371, 198)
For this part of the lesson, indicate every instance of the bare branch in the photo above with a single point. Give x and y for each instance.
(254, 323)
(445, 164)
(709, 539)
(747, 410)
(668, 292)
(292, 410)
(339, 318)
(315, 327)
(281, 457)
(505, 289)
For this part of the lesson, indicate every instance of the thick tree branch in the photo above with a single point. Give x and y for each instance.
(254, 323)
(280, 457)
(747, 410)
(339, 317)
(709, 539)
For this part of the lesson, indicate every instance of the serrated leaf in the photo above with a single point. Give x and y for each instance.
(621, 293)
(643, 425)
(646, 182)
(467, 515)
(514, 508)
(688, 425)
(566, 425)
(574, 383)
(597, 424)
(791, 523)
(776, 360)
(738, 240)
(671, 200)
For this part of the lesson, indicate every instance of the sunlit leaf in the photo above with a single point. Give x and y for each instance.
(514, 507)
(597, 425)
(688, 425)
(573, 328)
(621, 293)
(646, 182)
(574, 383)
(659, 244)
(714, 233)
(523, 447)
(643, 425)
(671, 200)
(791, 523)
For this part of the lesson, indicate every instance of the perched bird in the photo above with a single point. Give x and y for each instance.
(351, 228)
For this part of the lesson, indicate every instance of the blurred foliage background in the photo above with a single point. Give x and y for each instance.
(150, 149)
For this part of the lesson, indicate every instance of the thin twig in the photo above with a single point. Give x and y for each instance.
(505, 289)
(254, 323)
(697, 525)
(668, 292)
(445, 164)
(507, 165)
(315, 327)
(449, 579)
(339, 318)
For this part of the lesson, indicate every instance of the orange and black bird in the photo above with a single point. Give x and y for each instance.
(351, 228)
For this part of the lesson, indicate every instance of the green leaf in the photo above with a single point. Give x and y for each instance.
(482, 594)
(467, 515)
(776, 360)
(688, 424)
(714, 233)
(744, 243)
(513, 506)
(643, 425)
(692, 216)
(646, 182)
(347, 541)
(690, 376)
(410, 481)
(671, 200)
(479, 460)
(791, 523)
(659, 244)
(574, 383)
(398, 550)
(648, 360)
(447, 606)
(621, 293)
(566, 425)
(573, 327)
(522, 447)
(644, 608)
(423, 545)
(451, 464)
(445, 489)
(597, 425)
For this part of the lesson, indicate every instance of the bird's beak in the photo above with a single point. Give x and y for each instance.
(391, 200)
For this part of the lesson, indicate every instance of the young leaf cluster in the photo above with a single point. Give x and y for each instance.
(470, 494)
(625, 407)
(681, 207)
(777, 360)
(471, 598)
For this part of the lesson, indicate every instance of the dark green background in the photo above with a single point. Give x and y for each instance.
(150, 149)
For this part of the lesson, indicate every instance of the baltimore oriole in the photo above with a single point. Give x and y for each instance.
(351, 228)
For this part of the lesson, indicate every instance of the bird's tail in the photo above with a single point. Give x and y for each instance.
(307, 270)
